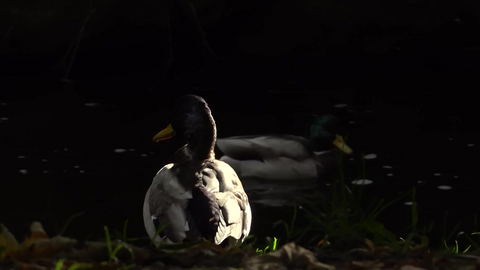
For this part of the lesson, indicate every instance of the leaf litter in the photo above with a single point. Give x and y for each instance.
(40, 252)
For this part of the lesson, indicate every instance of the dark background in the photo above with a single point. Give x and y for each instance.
(407, 70)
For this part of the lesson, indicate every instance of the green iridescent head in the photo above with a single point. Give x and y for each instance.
(325, 133)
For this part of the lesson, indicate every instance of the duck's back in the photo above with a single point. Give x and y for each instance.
(265, 147)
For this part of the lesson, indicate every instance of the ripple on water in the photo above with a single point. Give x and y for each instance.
(444, 187)
(362, 182)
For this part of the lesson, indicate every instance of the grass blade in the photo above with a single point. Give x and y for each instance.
(74, 216)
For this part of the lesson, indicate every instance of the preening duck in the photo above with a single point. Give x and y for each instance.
(287, 157)
(197, 196)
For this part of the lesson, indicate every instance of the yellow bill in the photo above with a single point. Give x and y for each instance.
(338, 142)
(165, 134)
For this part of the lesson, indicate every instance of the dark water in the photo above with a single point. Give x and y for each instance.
(409, 108)
(64, 154)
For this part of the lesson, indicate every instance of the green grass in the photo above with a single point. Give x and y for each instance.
(341, 219)
(267, 249)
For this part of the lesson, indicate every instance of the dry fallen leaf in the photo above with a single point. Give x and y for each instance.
(364, 265)
(37, 245)
(36, 232)
(411, 267)
(43, 248)
(7, 242)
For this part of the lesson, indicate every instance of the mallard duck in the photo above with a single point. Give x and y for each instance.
(197, 197)
(284, 156)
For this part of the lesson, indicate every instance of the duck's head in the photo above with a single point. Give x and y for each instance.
(192, 121)
(324, 134)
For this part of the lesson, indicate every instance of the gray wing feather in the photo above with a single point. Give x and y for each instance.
(166, 200)
(235, 213)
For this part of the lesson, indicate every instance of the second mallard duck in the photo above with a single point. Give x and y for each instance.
(287, 157)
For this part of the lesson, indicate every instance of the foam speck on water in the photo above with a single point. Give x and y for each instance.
(23, 171)
(390, 174)
(341, 105)
(471, 145)
(82, 171)
(45, 171)
(3, 103)
(327, 184)
(143, 155)
(437, 174)
(76, 167)
(351, 159)
(420, 182)
(387, 167)
(362, 182)
(44, 160)
(91, 104)
(444, 187)
(408, 203)
(4, 118)
(65, 149)
(455, 176)
(370, 156)
(21, 156)
(450, 139)
(131, 150)
(119, 150)
(351, 122)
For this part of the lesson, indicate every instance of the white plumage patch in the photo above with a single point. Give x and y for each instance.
(171, 191)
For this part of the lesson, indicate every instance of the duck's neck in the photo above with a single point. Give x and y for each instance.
(201, 142)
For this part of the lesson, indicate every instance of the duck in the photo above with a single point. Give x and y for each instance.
(195, 197)
(286, 157)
